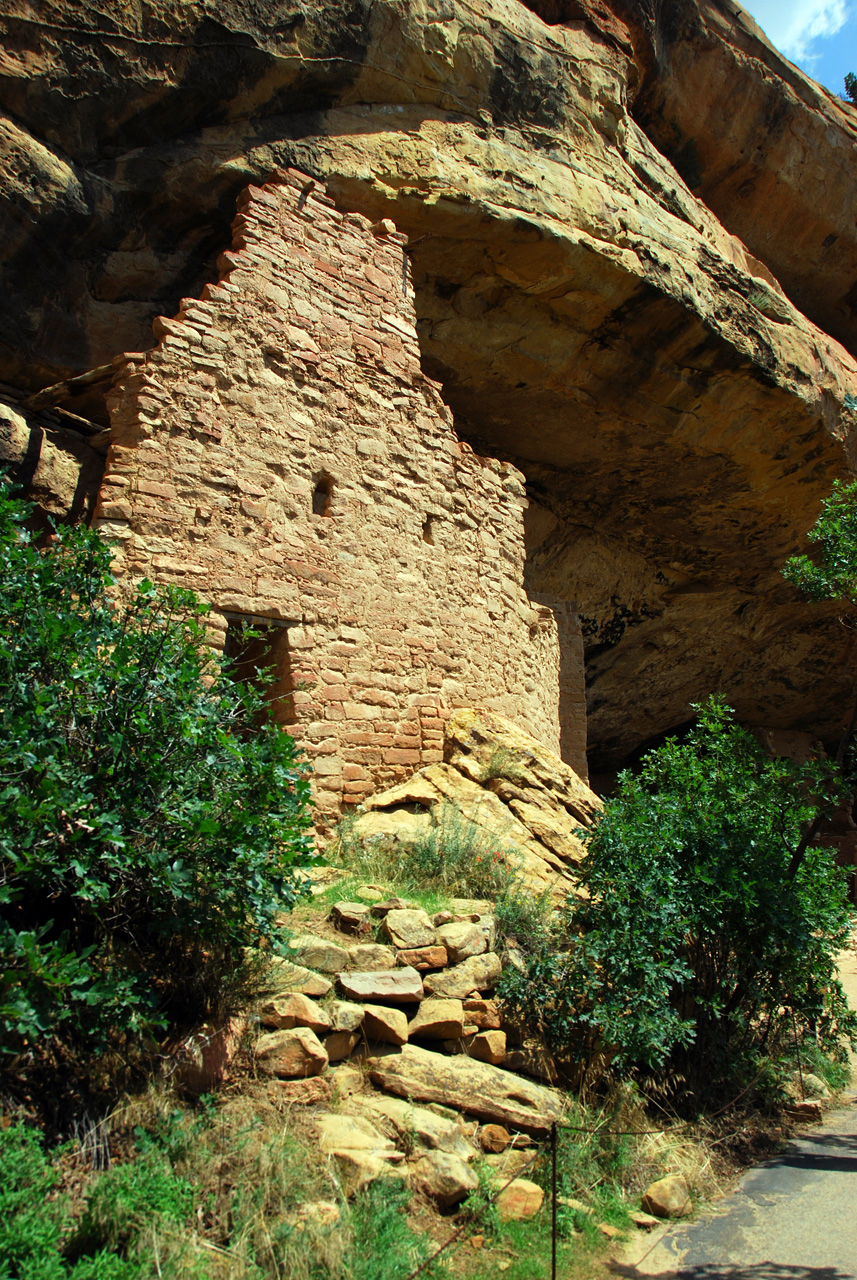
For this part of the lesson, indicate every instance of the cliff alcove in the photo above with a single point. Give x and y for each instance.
(616, 302)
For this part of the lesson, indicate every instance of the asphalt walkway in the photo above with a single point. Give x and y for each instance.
(792, 1218)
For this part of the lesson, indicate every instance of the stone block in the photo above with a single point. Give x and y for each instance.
(476, 974)
(291, 1054)
(384, 1025)
(409, 928)
(396, 986)
(462, 940)
(437, 1020)
(285, 1011)
(424, 957)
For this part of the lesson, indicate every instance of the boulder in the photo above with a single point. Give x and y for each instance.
(441, 917)
(348, 1081)
(318, 953)
(444, 1177)
(478, 973)
(532, 1059)
(290, 1054)
(294, 1010)
(408, 929)
(488, 925)
(386, 1026)
(668, 1197)
(437, 1020)
(813, 1085)
(361, 1152)
(340, 1045)
(345, 1016)
(475, 1088)
(370, 893)
(369, 957)
(472, 908)
(350, 917)
(396, 986)
(519, 1200)
(494, 1139)
(488, 1046)
(484, 1014)
(423, 958)
(511, 792)
(322, 1212)
(283, 975)
(417, 1124)
(805, 1111)
(462, 941)
(643, 1221)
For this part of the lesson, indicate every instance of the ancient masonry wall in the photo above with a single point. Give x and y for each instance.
(281, 452)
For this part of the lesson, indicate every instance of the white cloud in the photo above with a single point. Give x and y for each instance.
(793, 25)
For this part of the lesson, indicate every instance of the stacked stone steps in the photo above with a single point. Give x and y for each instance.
(427, 1043)
(430, 981)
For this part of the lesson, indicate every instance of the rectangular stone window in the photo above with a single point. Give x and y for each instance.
(258, 647)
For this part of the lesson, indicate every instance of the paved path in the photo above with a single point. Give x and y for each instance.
(792, 1218)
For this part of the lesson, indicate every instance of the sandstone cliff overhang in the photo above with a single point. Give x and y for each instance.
(581, 293)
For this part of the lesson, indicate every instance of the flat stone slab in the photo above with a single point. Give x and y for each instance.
(393, 986)
(283, 976)
(486, 1092)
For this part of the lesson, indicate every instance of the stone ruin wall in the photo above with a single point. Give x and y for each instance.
(281, 452)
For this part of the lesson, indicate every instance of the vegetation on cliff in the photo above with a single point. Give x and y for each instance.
(146, 838)
(698, 952)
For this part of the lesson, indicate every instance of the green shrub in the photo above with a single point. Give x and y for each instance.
(456, 858)
(384, 1246)
(129, 1197)
(30, 1221)
(147, 833)
(697, 939)
(524, 915)
(33, 1220)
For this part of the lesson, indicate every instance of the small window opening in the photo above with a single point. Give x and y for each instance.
(258, 651)
(322, 495)
(428, 530)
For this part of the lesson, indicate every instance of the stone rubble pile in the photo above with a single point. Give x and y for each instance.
(512, 793)
(416, 1017)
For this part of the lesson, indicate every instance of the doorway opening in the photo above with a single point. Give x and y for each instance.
(258, 650)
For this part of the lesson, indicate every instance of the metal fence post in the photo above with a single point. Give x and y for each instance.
(554, 1136)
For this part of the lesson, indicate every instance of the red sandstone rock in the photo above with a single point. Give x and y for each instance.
(424, 957)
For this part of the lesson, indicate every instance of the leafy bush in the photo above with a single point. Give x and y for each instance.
(833, 575)
(453, 857)
(147, 834)
(699, 937)
(33, 1220)
(129, 1197)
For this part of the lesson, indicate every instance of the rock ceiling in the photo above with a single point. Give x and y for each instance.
(633, 243)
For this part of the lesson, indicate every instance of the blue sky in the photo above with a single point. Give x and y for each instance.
(820, 36)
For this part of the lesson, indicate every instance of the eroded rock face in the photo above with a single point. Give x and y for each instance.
(581, 297)
(480, 1090)
(502, 794)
